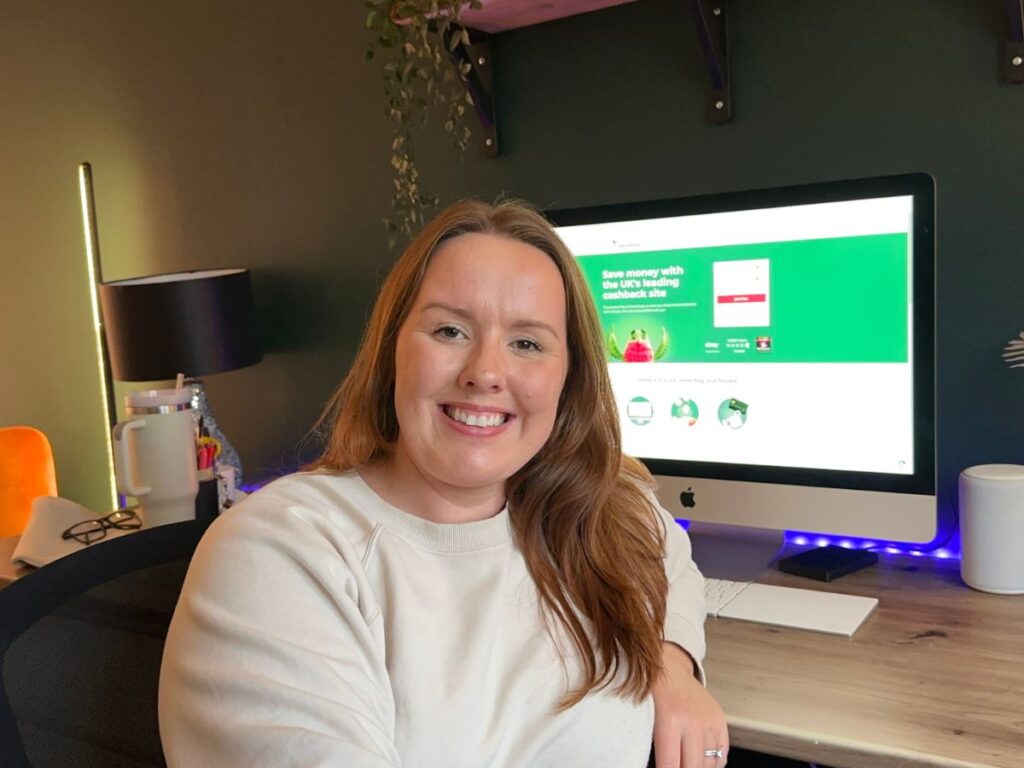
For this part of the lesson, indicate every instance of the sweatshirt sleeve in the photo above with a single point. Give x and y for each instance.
(275, 654)
(685, 607)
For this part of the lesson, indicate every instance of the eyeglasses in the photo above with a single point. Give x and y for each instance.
(88, 531)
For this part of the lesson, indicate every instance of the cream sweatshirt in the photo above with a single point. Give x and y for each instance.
(321, 626)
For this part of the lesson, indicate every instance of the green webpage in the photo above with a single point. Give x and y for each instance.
(793, 352)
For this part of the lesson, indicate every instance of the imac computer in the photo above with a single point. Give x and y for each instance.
(772, 356)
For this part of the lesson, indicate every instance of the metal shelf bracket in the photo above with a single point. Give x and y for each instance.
(1012, 54)
(709, 19)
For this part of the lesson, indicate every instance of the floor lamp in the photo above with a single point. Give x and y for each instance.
(92, 258)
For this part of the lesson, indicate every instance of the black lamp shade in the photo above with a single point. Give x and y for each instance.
(196, 323)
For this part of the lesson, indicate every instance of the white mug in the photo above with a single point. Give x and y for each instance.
(155, 455)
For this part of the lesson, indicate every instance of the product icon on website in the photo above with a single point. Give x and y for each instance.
(640, 411)
(732, 413)
(638, 349)
(686, 410)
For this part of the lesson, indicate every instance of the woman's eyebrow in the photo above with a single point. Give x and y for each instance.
(535, 324)
(465, 314)
(459, 311)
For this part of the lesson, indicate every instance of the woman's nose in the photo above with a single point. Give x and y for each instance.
(485, 368)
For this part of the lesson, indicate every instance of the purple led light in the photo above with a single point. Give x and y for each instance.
(948, 551)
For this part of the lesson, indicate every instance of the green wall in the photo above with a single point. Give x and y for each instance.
(220, 134)
(223, 134)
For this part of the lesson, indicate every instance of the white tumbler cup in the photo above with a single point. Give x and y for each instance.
(155, 455)
(992, 528)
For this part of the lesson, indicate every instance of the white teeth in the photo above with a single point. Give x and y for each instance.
(475, 419)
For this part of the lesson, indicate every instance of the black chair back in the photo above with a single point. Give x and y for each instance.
(81, 641)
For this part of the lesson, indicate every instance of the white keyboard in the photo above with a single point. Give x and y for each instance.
(718, 593)
(787, 607)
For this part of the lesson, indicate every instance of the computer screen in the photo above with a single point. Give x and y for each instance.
(771, 351)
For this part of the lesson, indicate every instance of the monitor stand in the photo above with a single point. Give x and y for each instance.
(734, 552)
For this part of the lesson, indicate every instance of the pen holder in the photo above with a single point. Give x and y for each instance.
(207, 500)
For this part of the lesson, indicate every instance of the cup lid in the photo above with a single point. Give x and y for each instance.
(995, 472)
(149, 398)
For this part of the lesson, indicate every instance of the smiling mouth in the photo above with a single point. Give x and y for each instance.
(476, 419)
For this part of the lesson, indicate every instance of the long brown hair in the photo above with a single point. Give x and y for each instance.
(579, 509)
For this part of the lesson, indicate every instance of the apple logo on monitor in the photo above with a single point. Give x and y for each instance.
(686, 497)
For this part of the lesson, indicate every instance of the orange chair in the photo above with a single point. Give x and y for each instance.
(26, 471)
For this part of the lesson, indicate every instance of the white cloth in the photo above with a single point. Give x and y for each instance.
(41, 541)
(321, 626)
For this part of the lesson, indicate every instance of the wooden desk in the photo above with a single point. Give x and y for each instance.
(8, 572)
(934, 677)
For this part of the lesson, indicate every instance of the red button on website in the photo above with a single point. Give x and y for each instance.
(741, 298)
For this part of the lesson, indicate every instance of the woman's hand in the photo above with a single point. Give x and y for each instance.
(687, 720)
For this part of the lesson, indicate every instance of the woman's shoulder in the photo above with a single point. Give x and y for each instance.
(304, 506)
(291, 550)
(314, 487)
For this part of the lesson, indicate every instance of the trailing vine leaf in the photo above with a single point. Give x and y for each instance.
(421, 81)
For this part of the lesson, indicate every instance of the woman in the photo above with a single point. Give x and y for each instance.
(471, 574)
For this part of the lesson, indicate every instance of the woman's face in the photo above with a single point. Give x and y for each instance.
(480, 362)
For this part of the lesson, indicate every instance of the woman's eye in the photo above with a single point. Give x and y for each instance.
(527, 345)
(448, 332)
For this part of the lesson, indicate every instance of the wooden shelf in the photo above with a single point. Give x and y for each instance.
(474, 54)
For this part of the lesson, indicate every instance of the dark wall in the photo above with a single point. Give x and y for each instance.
(234, 134)
(609, 107)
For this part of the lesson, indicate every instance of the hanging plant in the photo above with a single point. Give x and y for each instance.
(422, 80)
